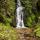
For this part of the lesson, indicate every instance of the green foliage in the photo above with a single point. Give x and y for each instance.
(30, 20)
(37, 29)
(11, 6)
(7, 32)
(29, 15)
(28, 5)
(7, 11)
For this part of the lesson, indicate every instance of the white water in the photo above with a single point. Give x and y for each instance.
(19, 18)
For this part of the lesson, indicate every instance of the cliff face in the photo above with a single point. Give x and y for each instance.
(31, 11)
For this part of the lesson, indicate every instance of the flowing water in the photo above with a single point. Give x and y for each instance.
(19, 18)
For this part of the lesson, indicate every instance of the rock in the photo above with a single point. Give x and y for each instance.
(25, 34)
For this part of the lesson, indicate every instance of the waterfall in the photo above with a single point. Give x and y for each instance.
(19, 17)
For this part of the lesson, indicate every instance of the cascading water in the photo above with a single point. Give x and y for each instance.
(19, 18)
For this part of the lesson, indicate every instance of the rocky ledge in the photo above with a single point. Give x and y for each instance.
(26, 34)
